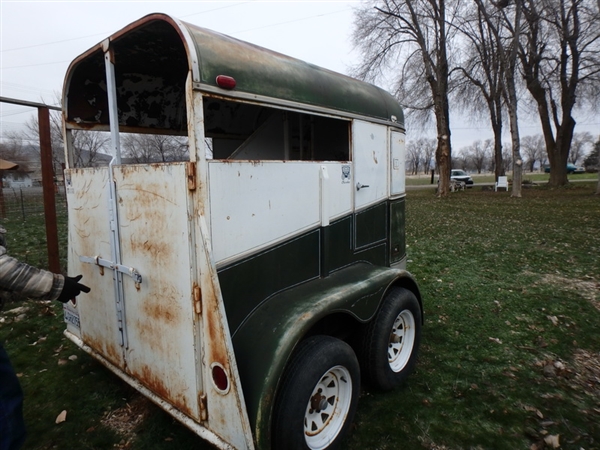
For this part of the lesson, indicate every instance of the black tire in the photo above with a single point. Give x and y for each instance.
(390, 343)
(303, 418)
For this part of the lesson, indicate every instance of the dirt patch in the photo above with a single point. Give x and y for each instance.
(589, 289)
(126, 419)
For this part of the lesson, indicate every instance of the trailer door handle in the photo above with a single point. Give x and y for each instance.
(361, 186)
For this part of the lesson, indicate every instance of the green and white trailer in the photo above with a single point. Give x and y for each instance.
(250, 288)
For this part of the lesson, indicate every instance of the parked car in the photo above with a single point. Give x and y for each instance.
(571, 168)
(461, 175)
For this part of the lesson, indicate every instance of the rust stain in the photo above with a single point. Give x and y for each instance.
(217, 351)
(107, 348)
(153, 247)
(162, 388)
(158, 313)
(162, 305)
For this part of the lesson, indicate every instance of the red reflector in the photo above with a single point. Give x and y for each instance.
(220, 377)
(226, 82)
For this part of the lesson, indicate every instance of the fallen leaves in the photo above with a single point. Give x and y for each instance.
(586, 373)
(62, 417)
(126, 419)
(552, 441)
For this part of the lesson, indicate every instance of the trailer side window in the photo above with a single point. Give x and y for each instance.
(242, 131)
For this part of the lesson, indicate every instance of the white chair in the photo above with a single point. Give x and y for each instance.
(501, 183)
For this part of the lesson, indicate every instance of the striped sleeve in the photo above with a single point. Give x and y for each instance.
(32, 282)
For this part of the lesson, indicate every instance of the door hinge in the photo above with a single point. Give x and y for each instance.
(203, 408)
(197, 299)
(191, 175)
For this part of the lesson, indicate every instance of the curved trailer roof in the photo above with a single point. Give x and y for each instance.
(153, 56)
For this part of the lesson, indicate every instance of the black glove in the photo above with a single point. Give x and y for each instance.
(72, 288)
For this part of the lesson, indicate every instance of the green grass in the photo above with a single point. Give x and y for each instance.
(532, 177)
(496, 274)
(511, 289)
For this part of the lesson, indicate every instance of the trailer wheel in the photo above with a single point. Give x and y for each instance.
(391, 341)
(318, 396)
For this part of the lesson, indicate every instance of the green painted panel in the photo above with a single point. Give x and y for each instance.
(339, 246)
(264, 343)
(371, 225)
(397, 230)
(249, 282)
(261, 71)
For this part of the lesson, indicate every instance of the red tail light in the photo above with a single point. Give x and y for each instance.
(225, 82)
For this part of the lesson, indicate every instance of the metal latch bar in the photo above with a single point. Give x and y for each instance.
(133, 273)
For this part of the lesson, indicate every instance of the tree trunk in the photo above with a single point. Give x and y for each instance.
(560, 153)
(510, 94)
(498, 163)
(443, 151)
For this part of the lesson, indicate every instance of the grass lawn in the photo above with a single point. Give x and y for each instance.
(532, 177)
(510, 355)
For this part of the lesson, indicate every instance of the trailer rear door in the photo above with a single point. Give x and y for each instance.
(149, 332)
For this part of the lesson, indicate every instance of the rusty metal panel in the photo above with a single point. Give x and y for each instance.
(155, 240)
(87, 195)
(223, 409)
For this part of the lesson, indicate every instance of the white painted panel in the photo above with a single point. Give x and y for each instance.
(89, 235)
(397, 166)
(255, 204)
(370, 155)
(155, 240)
(340, 189)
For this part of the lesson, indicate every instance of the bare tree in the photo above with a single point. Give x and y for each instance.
(560, 63)
(593, 161)
(478, 152)
(429, 148)
(534, 149)
(461, 159)
(414, 153)
(483, 68)
(504, 22)
(418, 33)
(507, 155)
(149, 148)
(579, 144)
(13, 149)
(597, 152)
(87, 145)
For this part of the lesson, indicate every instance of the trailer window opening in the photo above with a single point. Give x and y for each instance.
(243, 131)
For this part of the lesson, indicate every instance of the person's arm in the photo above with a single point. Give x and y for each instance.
(30, 281)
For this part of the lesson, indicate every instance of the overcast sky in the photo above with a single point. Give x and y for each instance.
(39, 39)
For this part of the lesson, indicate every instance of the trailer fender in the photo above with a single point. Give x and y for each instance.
(264, 342)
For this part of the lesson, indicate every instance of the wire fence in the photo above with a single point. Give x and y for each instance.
(22, 202)
(23, 217)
